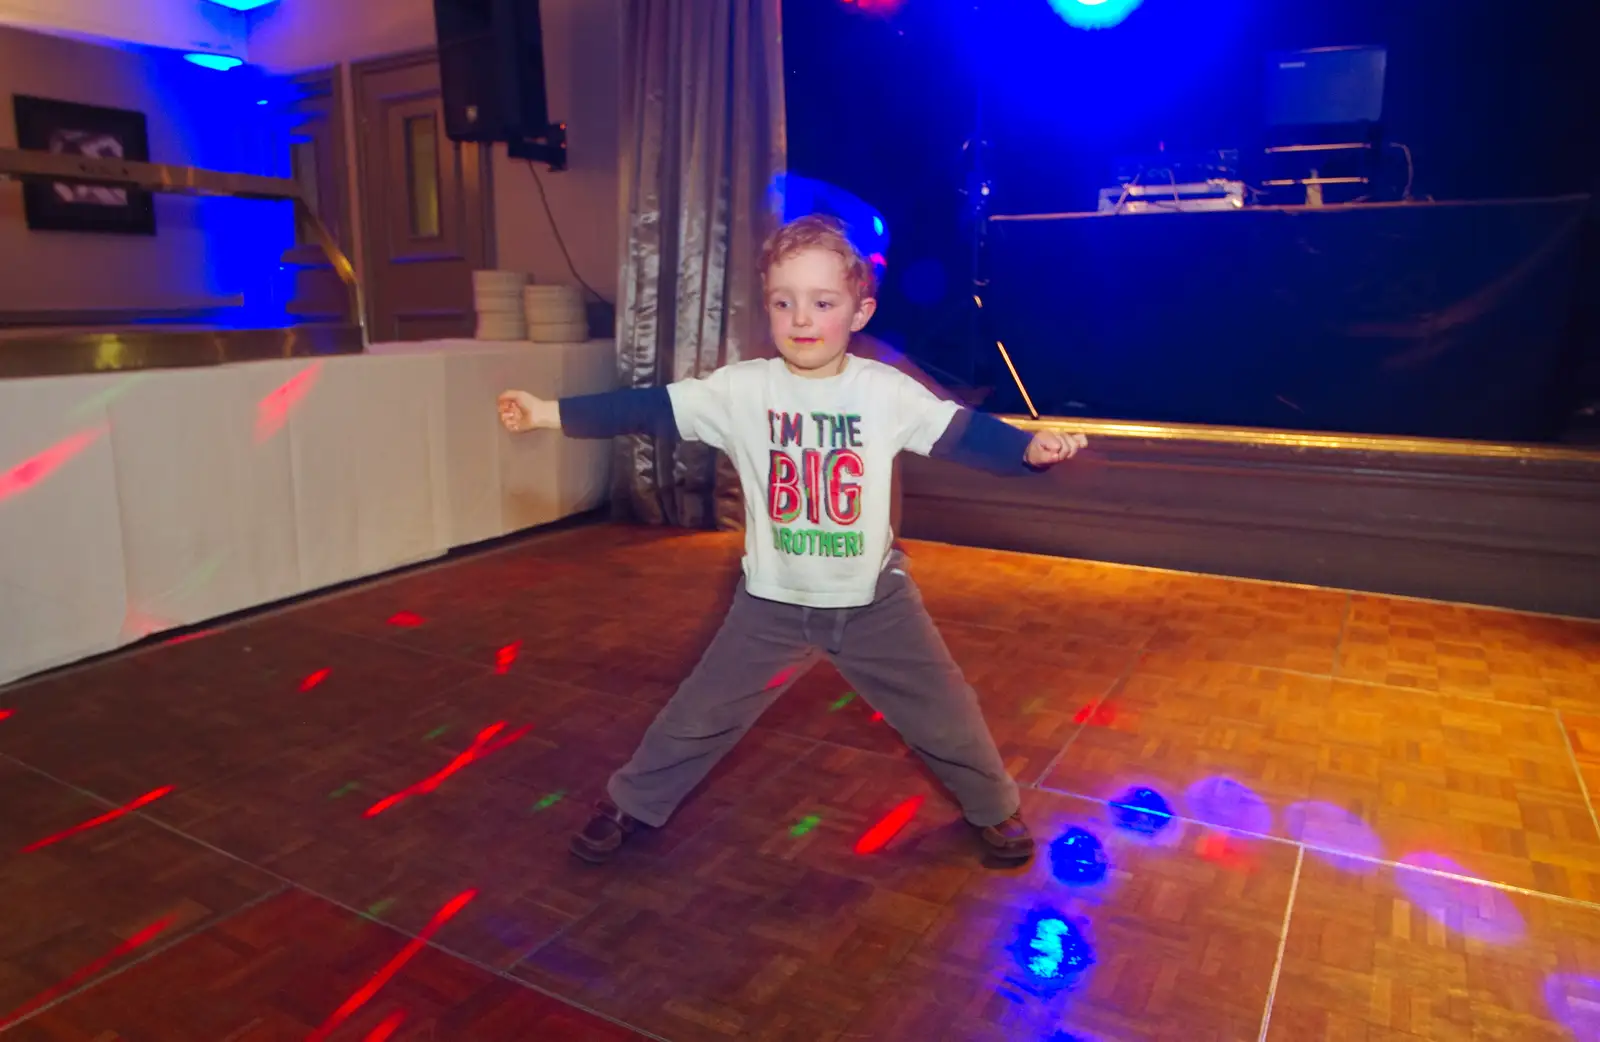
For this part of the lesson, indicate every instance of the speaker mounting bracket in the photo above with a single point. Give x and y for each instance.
(549, 148)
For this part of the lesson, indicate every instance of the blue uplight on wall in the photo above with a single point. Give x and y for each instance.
(1094, 14)
(219, 62)
(243, 5)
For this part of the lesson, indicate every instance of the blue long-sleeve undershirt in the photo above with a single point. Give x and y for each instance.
(972, 439)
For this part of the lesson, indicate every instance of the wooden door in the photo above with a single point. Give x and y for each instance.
(424, 203)
(317, 164)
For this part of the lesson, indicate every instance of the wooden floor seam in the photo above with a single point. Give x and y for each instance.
(1577, 770)
(1345, 855)
(1055, 761)
(148, 953)
(1283, 944)
(285, 884)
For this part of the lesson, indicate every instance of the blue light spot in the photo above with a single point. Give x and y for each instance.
(1142, 811)
(219, 62)
(1094, 14)
(1077, 858)
(877, 225)
(1052, 952)
(243, 5)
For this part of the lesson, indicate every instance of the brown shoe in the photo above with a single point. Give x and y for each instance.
(1009, 842)
(604, 835)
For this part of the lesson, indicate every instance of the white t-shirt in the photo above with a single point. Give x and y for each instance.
(816, 458)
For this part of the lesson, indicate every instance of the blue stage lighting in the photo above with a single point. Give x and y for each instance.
(1094, 14)
(220, 62)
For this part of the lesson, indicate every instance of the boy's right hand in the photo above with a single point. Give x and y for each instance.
(521, 411)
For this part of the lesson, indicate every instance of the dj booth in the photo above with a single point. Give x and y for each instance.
(1343, 396)
(1440, 320)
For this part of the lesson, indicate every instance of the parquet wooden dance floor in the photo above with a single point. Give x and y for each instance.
(1271, 813)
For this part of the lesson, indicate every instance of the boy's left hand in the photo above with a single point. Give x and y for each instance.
(1051, 447)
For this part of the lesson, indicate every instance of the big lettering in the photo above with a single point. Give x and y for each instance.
(783, 488)
(844, 494)
(820, 485)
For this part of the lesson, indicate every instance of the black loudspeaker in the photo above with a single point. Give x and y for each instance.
(491, 74)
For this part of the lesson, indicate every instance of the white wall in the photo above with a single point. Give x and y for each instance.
(205, 251)
(295, 35)
(583, 59)
(583, 56)
(184, 25)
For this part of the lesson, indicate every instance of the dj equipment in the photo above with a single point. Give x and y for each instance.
(1186, 167)
(1217, 194)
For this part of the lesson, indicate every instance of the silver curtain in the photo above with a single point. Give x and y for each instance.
(703, 138)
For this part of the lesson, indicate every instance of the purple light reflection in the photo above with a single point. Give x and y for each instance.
(1230, 804)
(1333, 828)
(1575, 1002)
(1474, 910)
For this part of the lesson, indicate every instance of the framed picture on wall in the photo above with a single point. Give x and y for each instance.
(44, 125)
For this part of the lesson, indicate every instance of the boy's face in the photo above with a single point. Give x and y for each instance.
(813, 311)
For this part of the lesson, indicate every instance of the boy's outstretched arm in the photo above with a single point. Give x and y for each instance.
(981, 441)
(643, 410)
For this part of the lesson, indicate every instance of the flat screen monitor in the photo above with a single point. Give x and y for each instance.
(1325, 86)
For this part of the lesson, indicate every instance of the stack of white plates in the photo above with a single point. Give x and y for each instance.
(555, 315)
(498, 298)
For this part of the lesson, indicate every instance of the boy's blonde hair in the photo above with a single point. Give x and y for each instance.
(820, 232)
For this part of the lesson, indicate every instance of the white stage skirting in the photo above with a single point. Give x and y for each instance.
(132, 503)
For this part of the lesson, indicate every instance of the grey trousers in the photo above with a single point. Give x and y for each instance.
(888, 650)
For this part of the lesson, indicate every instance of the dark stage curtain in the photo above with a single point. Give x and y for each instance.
(1439, 320)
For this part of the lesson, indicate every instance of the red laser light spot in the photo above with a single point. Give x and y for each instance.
(1216, 848)
(879, 835)
(272, 412)
(483, 745)
(780, 678)
(876, 717)
(405, 619)
(109, 816)
(89, 972)
(187, 637)
(387, 1028)
(506, 656)
(364, 994)
(36, 468)
(314, 679)
(1095, 714)
(5, 714)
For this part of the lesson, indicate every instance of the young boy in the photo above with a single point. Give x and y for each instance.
(813, 434)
